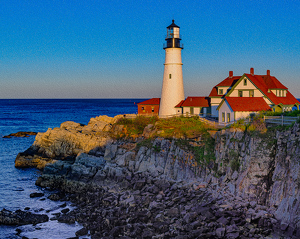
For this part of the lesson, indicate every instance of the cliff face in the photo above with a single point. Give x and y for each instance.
(262, 169)
(267, 169)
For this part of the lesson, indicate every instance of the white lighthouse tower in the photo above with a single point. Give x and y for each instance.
(172, 89)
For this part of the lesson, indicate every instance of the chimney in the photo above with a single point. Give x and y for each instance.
(230, 74)
(252, 71)
(268, 72)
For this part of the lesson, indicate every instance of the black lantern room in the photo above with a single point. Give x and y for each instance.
(173, 37)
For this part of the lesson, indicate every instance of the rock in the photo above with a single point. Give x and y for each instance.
(223, 221)
(54, 197)
(20, 134)
(232, 235)
(220, 232)
(90, 161)
(83, 231)
(65, 210)
(172, 212)
(36, 194)
(21, 218)
(149, 131)
(283, 226)
(110, 152)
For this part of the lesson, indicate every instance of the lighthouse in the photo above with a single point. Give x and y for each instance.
(172, 89)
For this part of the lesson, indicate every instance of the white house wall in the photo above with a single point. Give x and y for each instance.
(214, 111)
(214, 102)
(222, 88)
(243, 114)
(246, 89)
(188, 110)
(241, 85)
(234, 116)
(225, 108)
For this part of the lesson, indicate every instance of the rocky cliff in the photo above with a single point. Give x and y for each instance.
(257, 174)
(267, 169)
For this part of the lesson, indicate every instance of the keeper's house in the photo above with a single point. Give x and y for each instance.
(239, 96)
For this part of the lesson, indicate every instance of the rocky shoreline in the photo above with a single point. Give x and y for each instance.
(132, 188)
(141, 206)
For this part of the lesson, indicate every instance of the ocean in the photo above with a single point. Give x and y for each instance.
(37, 115)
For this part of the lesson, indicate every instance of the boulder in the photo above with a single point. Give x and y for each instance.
(21, 218)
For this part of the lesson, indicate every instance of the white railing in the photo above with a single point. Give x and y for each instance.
(281, 120)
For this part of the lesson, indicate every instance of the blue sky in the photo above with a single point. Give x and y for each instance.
(113, 48)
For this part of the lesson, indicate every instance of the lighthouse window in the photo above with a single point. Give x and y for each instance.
(170, 76)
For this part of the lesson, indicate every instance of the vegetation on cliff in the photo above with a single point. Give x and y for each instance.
(175, 127)
(189, 133)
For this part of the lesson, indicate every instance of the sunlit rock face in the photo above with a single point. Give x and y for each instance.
(68, 140)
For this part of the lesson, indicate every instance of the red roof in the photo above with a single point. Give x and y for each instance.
(264, 83)
(153, 101)
(247, 103)
(229, 81)
(196, 101)
(179, 105)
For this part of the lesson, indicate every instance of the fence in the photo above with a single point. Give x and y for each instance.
(281, 120)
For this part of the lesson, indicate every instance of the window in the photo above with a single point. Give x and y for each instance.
(152, 109)
(223, 117)
(251, 93)
(170, 76)
(143, 109)
(191, 110)
(245, 81)
(240, 93)
(220, 91)
(228, 117)
(279, 93)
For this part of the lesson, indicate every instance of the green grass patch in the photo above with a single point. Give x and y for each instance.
(187, 127)
(136, 126)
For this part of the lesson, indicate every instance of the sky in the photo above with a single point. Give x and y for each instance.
(114, 48)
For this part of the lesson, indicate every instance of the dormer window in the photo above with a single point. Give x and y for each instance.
(245, 81)
(220, 91)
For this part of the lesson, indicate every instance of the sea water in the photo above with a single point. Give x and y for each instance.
(16, 185)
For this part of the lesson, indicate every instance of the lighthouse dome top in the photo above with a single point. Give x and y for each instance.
(173, 25)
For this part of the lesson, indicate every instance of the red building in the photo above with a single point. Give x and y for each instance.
(149, 107)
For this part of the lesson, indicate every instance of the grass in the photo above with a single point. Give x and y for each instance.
(190, 127)
(135, 126)
(176, 127)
